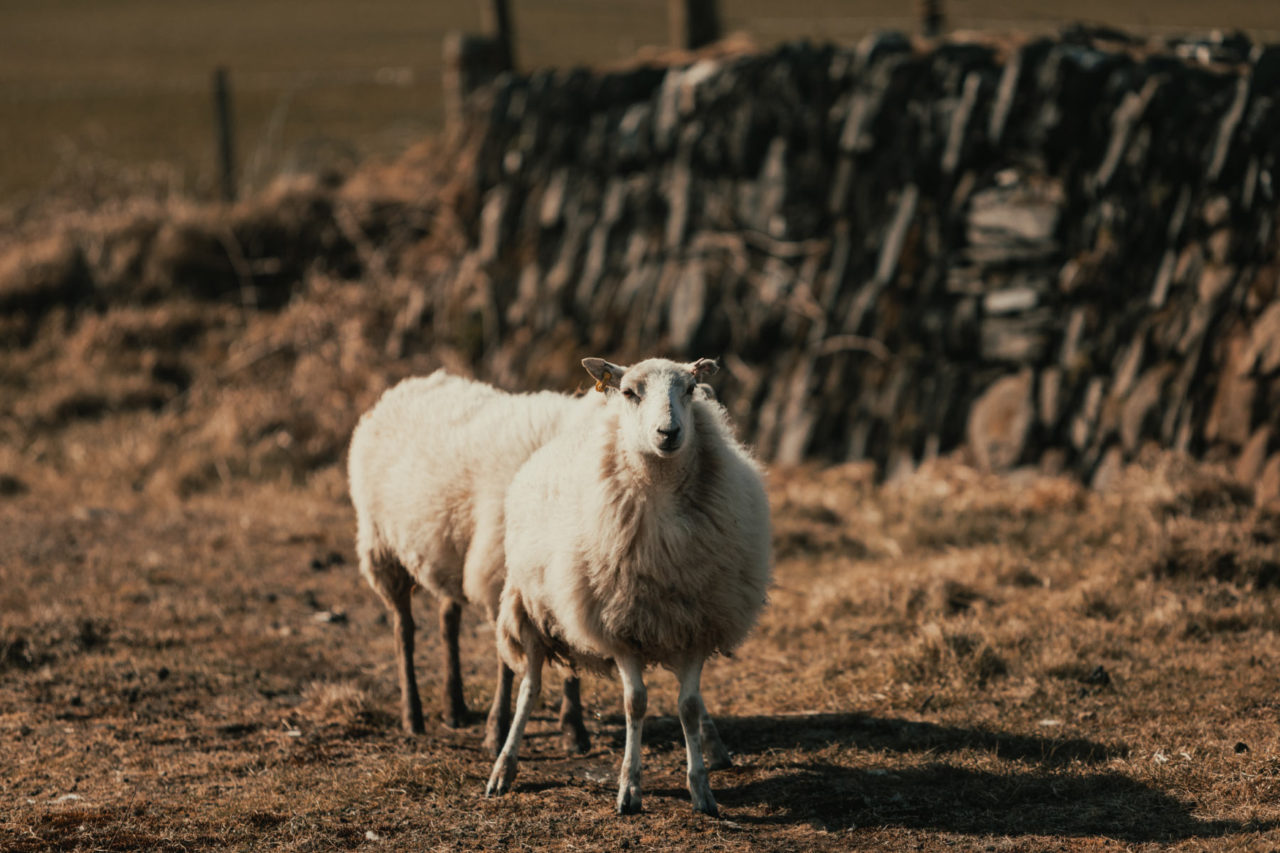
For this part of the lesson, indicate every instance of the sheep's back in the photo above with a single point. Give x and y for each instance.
(433, 458)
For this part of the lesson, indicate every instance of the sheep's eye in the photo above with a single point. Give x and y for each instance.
(629, 394)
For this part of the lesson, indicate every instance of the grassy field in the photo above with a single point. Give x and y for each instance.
(94, 96)
(953, 662)
(189, 659)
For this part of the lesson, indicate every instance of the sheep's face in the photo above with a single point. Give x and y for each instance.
(652, 399)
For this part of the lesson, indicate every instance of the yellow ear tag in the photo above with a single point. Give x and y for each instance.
(600, 382)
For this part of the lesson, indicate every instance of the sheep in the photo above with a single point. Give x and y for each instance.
(638, 535)
(429, 467)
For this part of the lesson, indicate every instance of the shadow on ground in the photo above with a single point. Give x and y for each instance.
(953, 799)
(1047, 788)
(751, 735)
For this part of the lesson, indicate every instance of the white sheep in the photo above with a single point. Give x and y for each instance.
(429, 468)
(639, 535)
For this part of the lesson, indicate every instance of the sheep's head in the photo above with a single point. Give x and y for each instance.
(652, 398)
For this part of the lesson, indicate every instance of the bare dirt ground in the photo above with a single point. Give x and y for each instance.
(953, 661)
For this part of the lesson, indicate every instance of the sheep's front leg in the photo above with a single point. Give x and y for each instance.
(504, 769)
(693, 714)
(499, 722)
(573, 732)
(455, 714)
(711, 743)
(635, 701)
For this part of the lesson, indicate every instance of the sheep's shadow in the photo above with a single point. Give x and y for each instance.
(1040, 790)
(750, 735)
(947, 798)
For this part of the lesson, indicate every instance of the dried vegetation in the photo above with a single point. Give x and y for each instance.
(951, 660)
(191, 346)
(189, 660)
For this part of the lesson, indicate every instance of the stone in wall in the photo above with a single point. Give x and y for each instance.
(886, 239)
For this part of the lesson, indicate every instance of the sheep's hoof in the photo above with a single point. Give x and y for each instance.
(576, 741)
(412, 722)
(700, 793)
(628, 801)
(455, 719)
(504, 773)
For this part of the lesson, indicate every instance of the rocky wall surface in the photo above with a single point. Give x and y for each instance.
(1047, 251)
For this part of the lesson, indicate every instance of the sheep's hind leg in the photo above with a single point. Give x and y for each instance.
(410, 701)
(693, 715)
(499, 722)
(395, 587)
(718, 756)
(504, 769)
(573, 735)
(635, 700)
(455, 714)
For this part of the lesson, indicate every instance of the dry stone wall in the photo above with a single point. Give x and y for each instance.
(1051, 250)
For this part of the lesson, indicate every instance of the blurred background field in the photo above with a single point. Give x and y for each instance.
(106, 97)
(952, 659)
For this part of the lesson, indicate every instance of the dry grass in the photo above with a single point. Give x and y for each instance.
(189, 660)
(952, 661)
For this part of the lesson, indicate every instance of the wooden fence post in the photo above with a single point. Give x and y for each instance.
(222, 123)
(692, 23)
(931, 17)
(471, 61)
(497, 25)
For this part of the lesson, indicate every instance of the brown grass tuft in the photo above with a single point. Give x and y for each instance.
(951, 655)
(1202, 551)
(336, 702)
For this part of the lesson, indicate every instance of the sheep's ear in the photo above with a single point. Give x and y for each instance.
(606, 374)
(704, 367)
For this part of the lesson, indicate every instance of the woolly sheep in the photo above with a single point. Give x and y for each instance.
(429, 468)
(638, 535)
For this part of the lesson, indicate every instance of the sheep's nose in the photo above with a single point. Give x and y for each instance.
(670, 435)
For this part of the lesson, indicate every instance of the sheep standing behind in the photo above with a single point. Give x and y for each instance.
(429, 468)
(640, 535)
